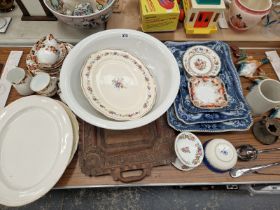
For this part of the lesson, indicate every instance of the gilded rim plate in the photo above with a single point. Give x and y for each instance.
(118, 85)
(207, 92)
(201, 61)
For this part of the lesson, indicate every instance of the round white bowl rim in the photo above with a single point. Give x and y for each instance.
(124, 125)
(82, 16)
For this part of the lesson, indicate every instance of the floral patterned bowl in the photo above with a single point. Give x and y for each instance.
(90, 20)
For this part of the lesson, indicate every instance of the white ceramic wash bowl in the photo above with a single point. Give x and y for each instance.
(201, 61)
(153, 54)
(118, 85)
(36, 140)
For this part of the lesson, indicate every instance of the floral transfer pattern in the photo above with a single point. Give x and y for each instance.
(200, 64)
(118, 83)
(95, 101)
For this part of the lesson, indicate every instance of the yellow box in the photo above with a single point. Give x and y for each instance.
(155, 18)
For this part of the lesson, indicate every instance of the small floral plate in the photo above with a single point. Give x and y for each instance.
(201, 61)
(189, 151)
(118, 85)
(207, 92)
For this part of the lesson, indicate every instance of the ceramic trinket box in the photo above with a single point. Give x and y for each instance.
(189, 151)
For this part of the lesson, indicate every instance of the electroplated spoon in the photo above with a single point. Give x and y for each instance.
(247, 152)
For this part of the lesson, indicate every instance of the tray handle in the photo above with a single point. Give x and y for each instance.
(118, 175)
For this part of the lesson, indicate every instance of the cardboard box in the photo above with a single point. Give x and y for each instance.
(156, 18)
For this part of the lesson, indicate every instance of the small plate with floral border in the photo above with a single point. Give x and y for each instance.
(201, 61)
(207, 92)
(118, 85)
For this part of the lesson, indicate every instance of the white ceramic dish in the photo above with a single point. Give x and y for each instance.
(36, 141)
(153, 53)
(201, 61)
(220, 155)
(75, 126)
(207, 92)
(118, 85)
(189, 151)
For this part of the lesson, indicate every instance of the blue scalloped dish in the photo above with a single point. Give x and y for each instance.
(184, 116)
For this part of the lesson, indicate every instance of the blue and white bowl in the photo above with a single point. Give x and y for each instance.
(219, 155)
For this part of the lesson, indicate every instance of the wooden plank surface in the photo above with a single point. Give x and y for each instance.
(129, 18)
(168, 175)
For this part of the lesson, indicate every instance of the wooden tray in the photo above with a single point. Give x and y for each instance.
(103, 151)
(168, 175)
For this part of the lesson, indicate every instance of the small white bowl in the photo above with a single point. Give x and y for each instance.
(189, 151)
(220, 155)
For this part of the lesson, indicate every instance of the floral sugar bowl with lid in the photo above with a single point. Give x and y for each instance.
(220, 155)
(189, 151)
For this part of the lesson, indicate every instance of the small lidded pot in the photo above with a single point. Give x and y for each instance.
(189, 151)
(220, 155)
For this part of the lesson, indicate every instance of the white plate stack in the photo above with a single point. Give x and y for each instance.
(38, 139)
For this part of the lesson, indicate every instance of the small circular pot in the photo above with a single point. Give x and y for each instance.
(189, 151)
(219, 155)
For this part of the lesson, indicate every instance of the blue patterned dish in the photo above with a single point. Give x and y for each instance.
(210, 117)
(233, 125)
(228, 75)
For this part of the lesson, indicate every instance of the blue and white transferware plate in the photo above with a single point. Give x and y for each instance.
(233, 125)
(207, 117)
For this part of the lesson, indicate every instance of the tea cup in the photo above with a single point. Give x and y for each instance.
(20, 80)
(264, 96)
(43, 84)
(245, 14)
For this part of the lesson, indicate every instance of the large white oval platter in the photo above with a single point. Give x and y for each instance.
(201, 61)
(36, 140)
(118, 85)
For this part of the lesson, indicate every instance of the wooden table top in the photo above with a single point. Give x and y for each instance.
(168, 175)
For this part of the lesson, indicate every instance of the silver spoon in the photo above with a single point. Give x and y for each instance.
(234, 173)
(248, 152)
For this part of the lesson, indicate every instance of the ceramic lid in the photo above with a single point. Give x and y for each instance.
(189, 149)
(221, 154)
